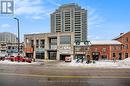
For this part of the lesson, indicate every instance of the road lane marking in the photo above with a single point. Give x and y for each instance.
(65, 76)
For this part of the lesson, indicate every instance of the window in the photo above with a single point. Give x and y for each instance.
(77, 43)
(113, 48)
(103, 49)
(40, 55)
(126, 46)
(42, 43)
(65, 40)
(53, 41)
(86, 42)
(120, 56)
(126, 40)
(104, 57)
(96, 50)
(37, 43)
(126, 55)
(119, 48)
(77, 48)
(31, 42)
(113, 55)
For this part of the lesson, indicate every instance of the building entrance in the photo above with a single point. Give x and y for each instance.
(62, 57)
(52, 55)
(29, 55)
(95, 55)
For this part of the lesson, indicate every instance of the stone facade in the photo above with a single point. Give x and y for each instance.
(52, 46)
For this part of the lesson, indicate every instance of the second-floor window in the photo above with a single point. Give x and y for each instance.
(126, 46)
(31, 42)
(42, 43)
(119, 48)
(103, 49)
(113, 48)
(96, 50)
(65, 40)
(37, 43)
(126, 40)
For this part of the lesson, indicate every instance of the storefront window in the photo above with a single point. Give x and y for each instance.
(52, 55)
(40, 55)
(104, 57)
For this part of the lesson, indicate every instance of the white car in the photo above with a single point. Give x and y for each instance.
(68, 59)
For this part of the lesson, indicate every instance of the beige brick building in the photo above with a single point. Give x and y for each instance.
(52, 46)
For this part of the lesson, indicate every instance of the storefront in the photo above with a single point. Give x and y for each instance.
(28, 52)
(64, 52)
(40, 53)
(80, 52)
(52, 54)
(95, 55)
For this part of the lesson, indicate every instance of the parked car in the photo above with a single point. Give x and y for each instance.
(19, 59)
(68, 59)
(3, 55)
(29, 60)
(2, 58)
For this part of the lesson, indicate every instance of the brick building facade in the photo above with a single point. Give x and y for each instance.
(124, 38)
(106, 50)
(118, 48)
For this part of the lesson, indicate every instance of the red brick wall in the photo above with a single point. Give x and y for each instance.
(109, 50)
(122, 40)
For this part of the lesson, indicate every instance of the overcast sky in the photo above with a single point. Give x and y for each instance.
(106, 18)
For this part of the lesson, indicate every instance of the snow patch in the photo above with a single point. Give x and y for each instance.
(21, 63)
(102, 63)
(125, 62)
(96, 64)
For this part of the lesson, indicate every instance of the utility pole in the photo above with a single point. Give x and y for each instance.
(18, 35)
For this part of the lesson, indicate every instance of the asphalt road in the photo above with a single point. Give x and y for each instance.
(53, 75)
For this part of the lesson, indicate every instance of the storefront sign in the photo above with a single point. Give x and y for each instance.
(28, 50)
(79, 52)
(65, 51)
(12, 51)
(40, 50)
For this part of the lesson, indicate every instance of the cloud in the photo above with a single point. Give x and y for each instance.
(27, 10)
(5, 26)
(54, 2)
(31, 8)
(95, 20)
(27, 7)
(37, 17)
(94, 37)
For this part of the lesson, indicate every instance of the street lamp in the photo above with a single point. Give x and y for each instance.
(18, 33)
